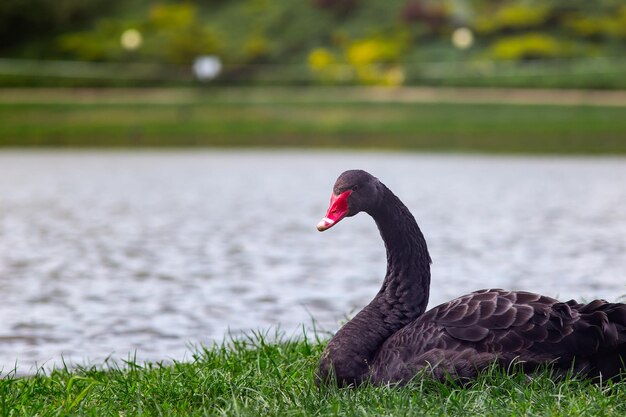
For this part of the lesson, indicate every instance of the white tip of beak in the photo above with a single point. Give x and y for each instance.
(324, 224)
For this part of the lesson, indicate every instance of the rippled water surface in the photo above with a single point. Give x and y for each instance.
(102, 254)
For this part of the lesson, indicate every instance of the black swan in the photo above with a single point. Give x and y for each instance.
(392, 339)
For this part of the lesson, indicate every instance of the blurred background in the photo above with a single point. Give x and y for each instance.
(400, 74)
(527, 43)
(163, 164)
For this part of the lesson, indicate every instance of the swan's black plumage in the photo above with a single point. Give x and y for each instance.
(393, 339)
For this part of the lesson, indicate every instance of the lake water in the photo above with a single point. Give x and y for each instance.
(110, 253)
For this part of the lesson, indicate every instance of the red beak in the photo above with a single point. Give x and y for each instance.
(337, 210)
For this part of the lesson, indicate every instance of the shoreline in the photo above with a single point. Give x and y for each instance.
(349, 94)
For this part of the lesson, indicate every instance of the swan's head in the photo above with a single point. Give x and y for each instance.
(354, 191)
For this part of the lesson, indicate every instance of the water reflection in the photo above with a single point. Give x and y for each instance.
(108, 253)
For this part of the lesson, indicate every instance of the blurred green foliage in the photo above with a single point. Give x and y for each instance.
(171, 33)
(26, 26)
(598, 26)
(326, 41)
(513, 16)
(530, 46)
(371, 61)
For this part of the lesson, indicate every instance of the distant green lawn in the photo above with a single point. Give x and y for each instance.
(221, 120)
(259, 378)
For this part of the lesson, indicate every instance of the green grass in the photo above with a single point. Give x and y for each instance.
(253, 120)
(255, 377)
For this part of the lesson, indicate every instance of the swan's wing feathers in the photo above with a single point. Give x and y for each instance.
(454, 313)
(495, 309)
(601, 327)
(524, 297)
(506, 327)
(471, 334)
(502, 319)
(533, 333)
(503, 305)
(511, 341)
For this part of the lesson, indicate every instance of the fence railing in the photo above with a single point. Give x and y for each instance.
(579, 71)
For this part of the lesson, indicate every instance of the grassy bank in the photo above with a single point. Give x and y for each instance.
(259, 378)
(321, 119)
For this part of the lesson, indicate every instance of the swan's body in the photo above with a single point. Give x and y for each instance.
(393, 339)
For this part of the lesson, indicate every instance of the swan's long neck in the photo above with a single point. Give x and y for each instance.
(402, 298)
(407, 282)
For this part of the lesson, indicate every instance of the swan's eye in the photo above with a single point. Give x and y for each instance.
(355, 187)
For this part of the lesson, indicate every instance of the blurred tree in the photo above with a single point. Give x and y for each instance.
(171, 32)
(341, 7)
(22, 21)
(176, 34)
(101, 43)
(530, 46)
(432, 14)
(373, 60)
(512, 16)
(597, 26)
